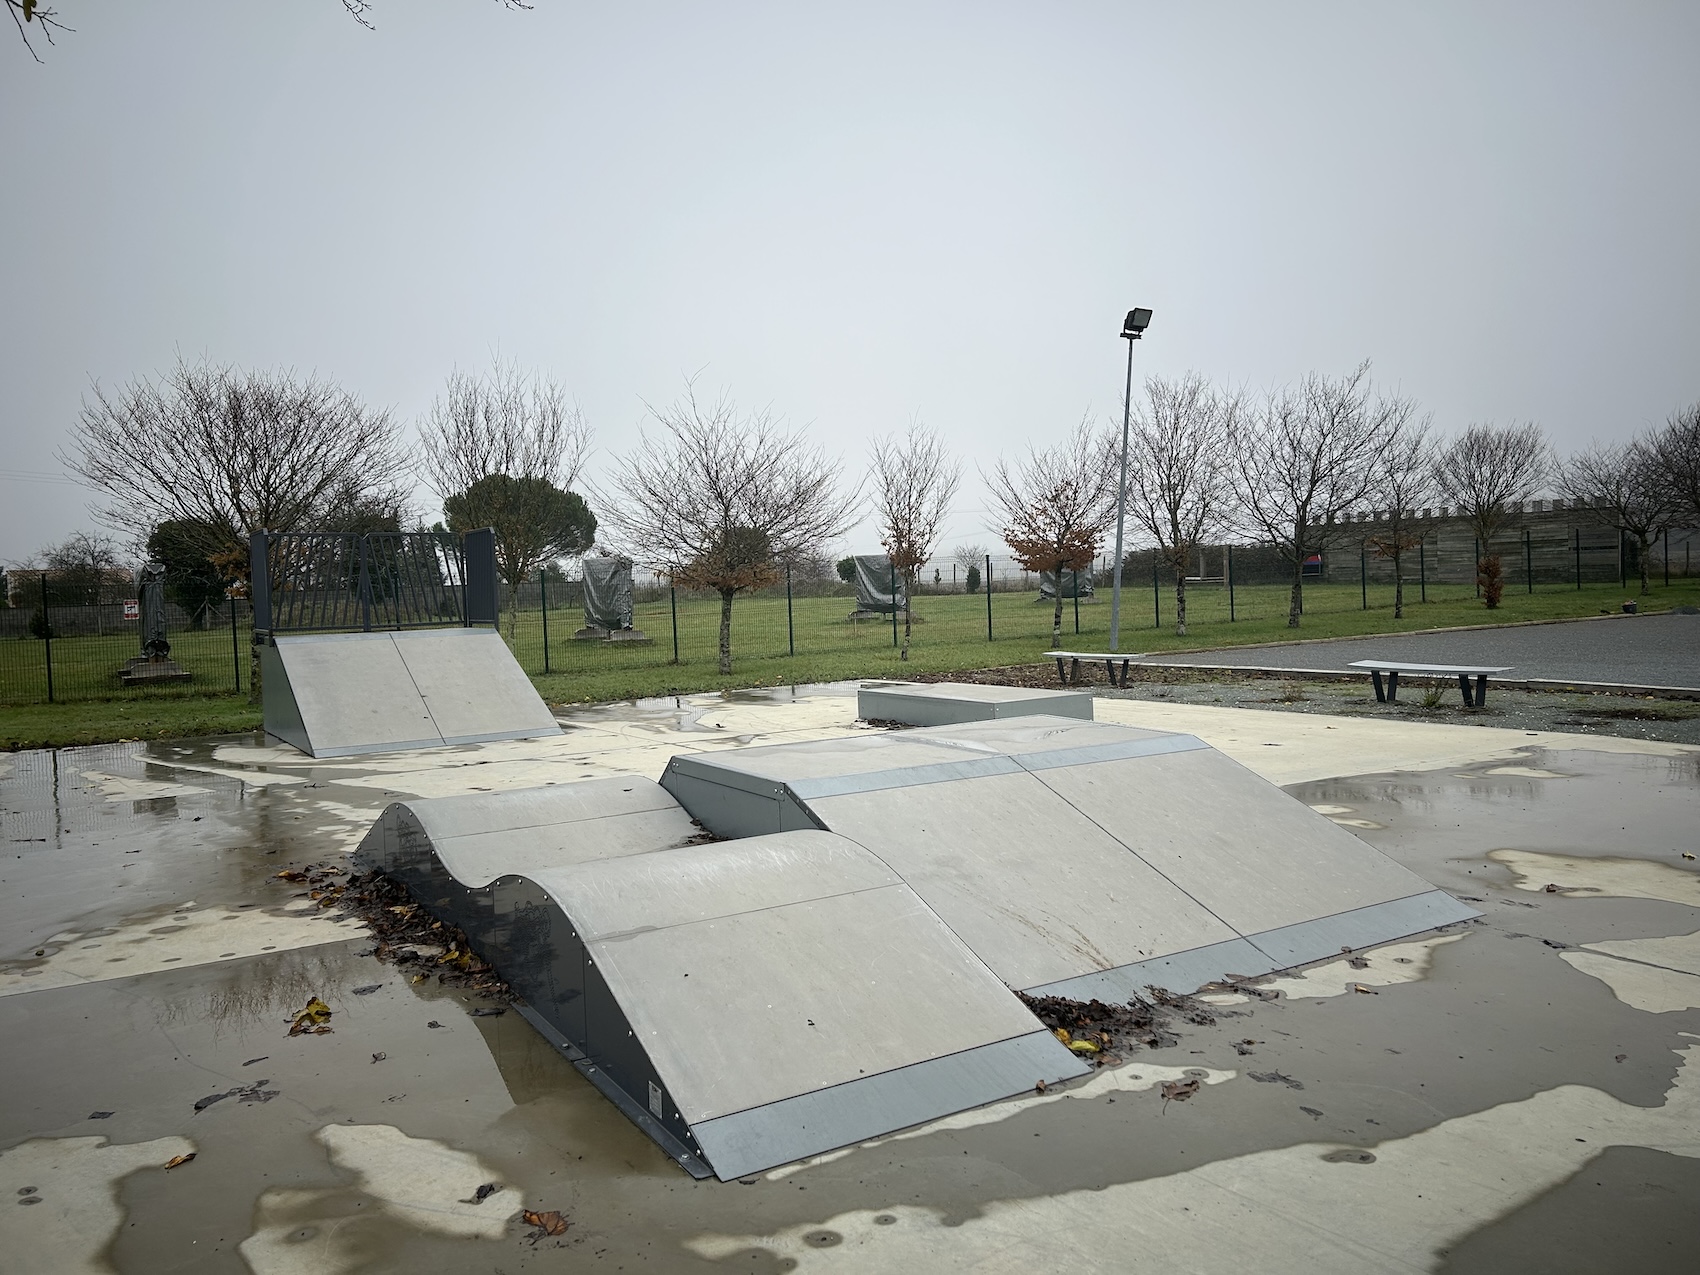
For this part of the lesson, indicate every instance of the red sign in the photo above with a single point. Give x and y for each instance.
(132, 609)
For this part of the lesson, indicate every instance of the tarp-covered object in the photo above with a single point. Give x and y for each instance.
(1048, 584)
(607, 593)
(874, 587)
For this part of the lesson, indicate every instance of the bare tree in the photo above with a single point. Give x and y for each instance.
(1178, 483)
(47, 20)
(1485, 474)
(233, 451)
(1302, 459)
(1404, 483)
(1675, 447)
(1056, 507)
(970, 557)
(720, 499)
(503, 450)
(915, 479)
(1623, 487)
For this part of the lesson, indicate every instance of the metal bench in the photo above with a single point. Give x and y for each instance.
(1071, 676)
(1463, 672)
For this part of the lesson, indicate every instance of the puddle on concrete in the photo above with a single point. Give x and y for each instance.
(1622, 878)
(1386, 967)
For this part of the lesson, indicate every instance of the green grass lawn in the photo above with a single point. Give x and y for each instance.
(950, 635)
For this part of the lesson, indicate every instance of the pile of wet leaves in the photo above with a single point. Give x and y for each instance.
(405, 932)
(1102, 1033)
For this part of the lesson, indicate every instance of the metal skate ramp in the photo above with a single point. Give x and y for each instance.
(342, 694)
(1081, 859)
(746, 1003)
(946, 703)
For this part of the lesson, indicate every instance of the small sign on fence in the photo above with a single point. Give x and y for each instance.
(132, 609)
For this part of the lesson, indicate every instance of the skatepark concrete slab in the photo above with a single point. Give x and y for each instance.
(1521, 1114)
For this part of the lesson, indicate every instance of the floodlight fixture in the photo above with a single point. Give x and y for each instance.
(1133, 327)
(1138, 319)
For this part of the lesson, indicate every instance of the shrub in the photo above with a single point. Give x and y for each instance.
(973, 579)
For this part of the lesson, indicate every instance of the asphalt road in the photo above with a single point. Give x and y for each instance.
(1638, 650)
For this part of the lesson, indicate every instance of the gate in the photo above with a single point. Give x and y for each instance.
(346, 582)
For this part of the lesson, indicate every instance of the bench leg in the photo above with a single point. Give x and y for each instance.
(1125, 663)
(1074, 672)
(1061, 675)
(1464, 686)
(1393, 686)
(1375, 678)
(1481, 690)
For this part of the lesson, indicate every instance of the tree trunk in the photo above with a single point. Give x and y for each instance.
(1644, 545)
(1398, 587)
(1056, 616)
(908, 594)
(726, 630)
(1295, 604)
(1180, 598)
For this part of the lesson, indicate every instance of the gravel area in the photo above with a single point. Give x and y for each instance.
(1629, 716)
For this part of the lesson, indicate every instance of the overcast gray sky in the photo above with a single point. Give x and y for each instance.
(854, 214)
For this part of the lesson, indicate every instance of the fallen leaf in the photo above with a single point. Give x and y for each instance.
(1179, 1090)
(1358, 963)
(101, 1115)
(1368, 991)
(379, 1057)
(1551, 889)
(1084, 1046)
(1686, 855)
(1061, 1034)
(313, 1019)
(484, 1193)
(1039, 1088)
(548, 1223)
(433, 1023)
(179, 1159)
(486, 1012)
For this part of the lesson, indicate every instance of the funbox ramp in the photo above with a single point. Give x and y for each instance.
(746, 1003)
(340, 694)
(841, 966)
(1080, 859)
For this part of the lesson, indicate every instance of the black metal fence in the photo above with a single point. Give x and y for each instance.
(54, 652)
(324, 582)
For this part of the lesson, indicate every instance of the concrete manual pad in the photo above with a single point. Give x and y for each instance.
(949, 703)
(343, 694)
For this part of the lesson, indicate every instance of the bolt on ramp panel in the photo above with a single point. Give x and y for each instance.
(1083, 859)
(747, 1003)
(949, 703)
(343, 694)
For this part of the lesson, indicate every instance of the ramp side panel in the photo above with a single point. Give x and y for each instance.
(280, 714)
(743, 1011)
(1034, 887)
(723, 809)
(473, 687)
(355, 694)
(763, 1138)
(1253, 855)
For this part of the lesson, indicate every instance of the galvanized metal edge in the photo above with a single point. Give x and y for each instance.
(1122, 750)
(764, 1137)
(1177, 972)
(1361, 927)
(804, 790)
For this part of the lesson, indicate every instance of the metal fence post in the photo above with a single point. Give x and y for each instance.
(1077, 601)
(235, 646)
(47, 635)
(1578, 532)
(988, 597)
(1363, 576)
(1228, 570)
(543, 603)
(1422, 566)
(1622, 565)
(1156, 595)
(1666, 557)
(673, 600)
(790, 625)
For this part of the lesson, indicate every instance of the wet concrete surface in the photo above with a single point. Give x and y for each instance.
(1491, 1092)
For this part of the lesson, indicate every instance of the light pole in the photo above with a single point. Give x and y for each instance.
(1133, 327)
